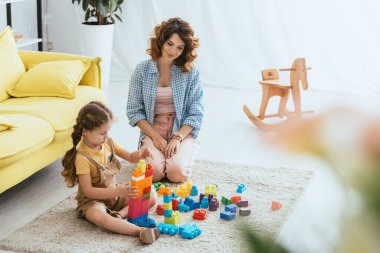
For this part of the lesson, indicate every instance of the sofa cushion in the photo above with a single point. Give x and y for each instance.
(11, 66)
(51, 79)
(30, 133)
(59, 112)
(5, 124)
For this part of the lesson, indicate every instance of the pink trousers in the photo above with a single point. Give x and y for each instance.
(178, 167)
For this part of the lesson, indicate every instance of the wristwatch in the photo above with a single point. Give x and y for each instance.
(179, 135)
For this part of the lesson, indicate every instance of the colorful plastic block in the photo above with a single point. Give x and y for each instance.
(226, 201)
(160, 209)
(276, 205)
(244, 211)
(210, 189)
(183, 207)
(242, 203)
(175, 203)
(230, 208)
(204, 202)
(225, 215)
(240, 188)
(191, 203)
(213, 205)
(235, 199)
(189, 230)
(168, 229)
(194, 191)
(174, 219)
(143, 221)
(200, 214)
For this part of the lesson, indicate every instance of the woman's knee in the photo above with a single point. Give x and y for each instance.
(176, 172)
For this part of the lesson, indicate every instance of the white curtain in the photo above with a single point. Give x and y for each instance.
(238, 38)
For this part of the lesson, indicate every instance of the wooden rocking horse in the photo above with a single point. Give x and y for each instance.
(272, 86)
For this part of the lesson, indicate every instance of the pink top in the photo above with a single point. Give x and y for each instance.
(164, 101)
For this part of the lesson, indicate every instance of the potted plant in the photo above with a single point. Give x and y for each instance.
(97, 30)
(103, 11)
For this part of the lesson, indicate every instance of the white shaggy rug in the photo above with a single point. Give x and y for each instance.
(58, 229)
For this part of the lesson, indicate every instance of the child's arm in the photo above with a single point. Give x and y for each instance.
(104, 193)
(135, 156)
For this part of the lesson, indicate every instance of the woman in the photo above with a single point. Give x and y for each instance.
(166, 100)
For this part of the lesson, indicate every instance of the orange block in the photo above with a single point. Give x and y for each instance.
(235, 199)
(276, 205)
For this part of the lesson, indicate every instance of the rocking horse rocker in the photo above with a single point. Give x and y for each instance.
(272, 86)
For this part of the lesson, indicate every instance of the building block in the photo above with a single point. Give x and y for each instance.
(168, 213)
(189, 230)
(174, 219)
(225, 215)
(235, 199)
(160, 209)
(200, 214)
(204, 202)
(168, 199)
(230, 208)
(143, 221)
(242, 203)
(168, 229)
(183, 190)
(201, 197)
(157, 185)
(183, 207)
(240, 188)
(168, 206)
(191, 203)
(164, 190)
(210, 189)
(244, 211)
(213, 205)
(226, 201)
(276, 205)
(139, 206)
(175, 203)
(194, 191)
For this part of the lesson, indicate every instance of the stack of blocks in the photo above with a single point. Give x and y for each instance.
(170, 216)
(139, 206)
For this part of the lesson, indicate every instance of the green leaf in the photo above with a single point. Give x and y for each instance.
(88, 14)
(119, 18)
(85, 5)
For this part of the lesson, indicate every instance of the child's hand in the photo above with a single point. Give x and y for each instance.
(145, 152)
(127, 191)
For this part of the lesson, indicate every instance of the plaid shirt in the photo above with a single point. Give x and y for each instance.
(187, 95)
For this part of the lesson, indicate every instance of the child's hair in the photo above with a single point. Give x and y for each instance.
(90, 117)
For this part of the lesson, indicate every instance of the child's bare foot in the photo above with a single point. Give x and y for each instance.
(149, 235)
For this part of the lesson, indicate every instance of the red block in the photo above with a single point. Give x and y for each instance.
(134, 209)
(160, 209)
(146, 190)
(175, 203)
(235, 199)
(145, 206)
(149, 170)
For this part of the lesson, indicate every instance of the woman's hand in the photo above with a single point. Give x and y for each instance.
(172, 148)
(145, 152)
(160, 143)
(127, 191)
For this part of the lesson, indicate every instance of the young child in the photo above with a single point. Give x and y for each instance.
(91, 163)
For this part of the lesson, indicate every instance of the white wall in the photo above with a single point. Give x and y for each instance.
(24, 19)
(339, 38)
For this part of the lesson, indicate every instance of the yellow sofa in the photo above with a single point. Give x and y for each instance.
(42, 125)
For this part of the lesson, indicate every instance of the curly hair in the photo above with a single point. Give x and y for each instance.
(91, 116)
(163, 31)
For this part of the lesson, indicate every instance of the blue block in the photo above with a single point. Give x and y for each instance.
(230, 208)
(241, 188)
(227, 215)
(191, 203)
(143, 221)
(168, 229)
(183, 208)
(194, 191)
(189, 230)
(168, 213)
(167, 199)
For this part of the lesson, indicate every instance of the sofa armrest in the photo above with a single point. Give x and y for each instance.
(92, 77)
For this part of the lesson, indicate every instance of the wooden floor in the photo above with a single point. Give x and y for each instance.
(227, 135)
